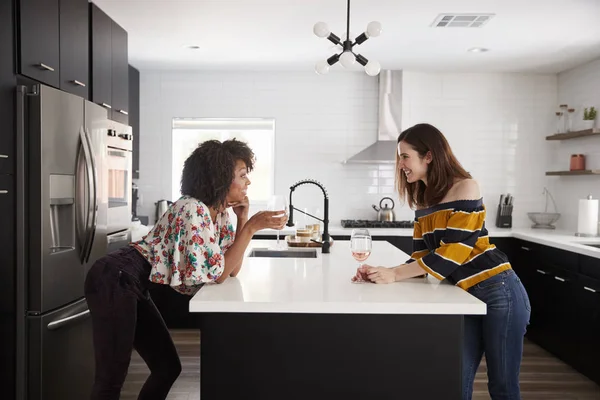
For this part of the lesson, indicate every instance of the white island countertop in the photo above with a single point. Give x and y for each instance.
(322, 285)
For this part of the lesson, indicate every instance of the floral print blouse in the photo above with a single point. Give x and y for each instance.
(185, 248)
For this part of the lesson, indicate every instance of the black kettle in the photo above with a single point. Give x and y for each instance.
(161, 207)
(385, 213)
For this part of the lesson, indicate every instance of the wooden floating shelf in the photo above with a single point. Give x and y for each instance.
(573, 135)
(569, 173)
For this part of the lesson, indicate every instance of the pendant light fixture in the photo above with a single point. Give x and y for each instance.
(347, 57)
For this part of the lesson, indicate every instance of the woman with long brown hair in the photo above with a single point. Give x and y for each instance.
(451, 243)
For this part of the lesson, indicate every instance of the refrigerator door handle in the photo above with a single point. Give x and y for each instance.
(84, 235)
(54, 325)
(21, 278)
(94, 198)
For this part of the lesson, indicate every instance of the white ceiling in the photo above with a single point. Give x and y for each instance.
(525, 35)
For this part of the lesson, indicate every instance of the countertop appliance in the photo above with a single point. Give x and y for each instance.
(385, 213)
(61, 229)
(363, 223)
(161, 207)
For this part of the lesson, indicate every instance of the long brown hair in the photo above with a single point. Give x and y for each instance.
(441, 172)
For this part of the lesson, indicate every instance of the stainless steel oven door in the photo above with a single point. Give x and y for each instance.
(118, 170)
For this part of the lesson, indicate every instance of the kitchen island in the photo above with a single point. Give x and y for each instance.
(298, 328)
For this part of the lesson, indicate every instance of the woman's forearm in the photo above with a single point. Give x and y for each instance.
(235, 254)
(406, 271)
(240, 226)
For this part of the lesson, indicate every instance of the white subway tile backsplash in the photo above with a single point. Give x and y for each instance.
(492, 121)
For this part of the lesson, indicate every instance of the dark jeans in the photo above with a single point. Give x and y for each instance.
(123, 318)
(498, 334)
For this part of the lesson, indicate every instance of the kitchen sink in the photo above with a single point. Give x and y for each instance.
(596, 245)
(312, 253)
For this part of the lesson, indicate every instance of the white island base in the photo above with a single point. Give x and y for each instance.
(297, 328)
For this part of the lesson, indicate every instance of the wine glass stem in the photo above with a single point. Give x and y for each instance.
(277, 238)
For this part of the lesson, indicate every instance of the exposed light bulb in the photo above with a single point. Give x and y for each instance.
(322, 67)
(374, 29)
(347, 59)
(372, 68)
(321, 30)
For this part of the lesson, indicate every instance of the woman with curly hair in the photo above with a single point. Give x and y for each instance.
(192, 244)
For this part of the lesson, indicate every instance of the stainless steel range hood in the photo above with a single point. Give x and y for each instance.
(383, 151)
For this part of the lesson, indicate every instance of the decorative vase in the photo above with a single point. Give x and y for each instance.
(588, 124)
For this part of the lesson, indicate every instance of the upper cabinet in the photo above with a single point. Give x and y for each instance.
(54, 42)
(39, 40)
(109, 65)
(134, 118)
(7, 97)
(120, 75)
(101, 29)
(74, 47)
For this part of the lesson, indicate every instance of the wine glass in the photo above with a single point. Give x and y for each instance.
(277, 203)
(360, 245)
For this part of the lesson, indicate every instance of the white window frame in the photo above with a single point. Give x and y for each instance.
(179, 123)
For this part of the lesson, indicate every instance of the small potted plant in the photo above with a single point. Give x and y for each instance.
(589, 116)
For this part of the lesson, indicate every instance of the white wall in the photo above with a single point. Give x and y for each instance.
(320, 121)
(492, 121)
(496, 125)
(579, 88)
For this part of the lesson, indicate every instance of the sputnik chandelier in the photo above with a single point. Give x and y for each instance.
(347, 57)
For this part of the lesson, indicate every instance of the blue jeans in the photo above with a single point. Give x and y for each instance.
(498, 334)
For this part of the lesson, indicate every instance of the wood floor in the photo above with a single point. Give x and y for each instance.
(543, 377)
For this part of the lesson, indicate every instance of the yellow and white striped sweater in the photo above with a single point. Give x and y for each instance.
(451, 242)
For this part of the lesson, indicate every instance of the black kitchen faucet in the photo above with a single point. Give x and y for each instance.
(325, 220)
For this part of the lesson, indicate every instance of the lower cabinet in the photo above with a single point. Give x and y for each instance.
(565, 304)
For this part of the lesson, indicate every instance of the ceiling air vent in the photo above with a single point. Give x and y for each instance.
(461, 20)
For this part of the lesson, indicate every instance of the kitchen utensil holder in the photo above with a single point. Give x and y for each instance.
(504, 216)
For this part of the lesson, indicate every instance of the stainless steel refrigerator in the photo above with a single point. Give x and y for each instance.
(61, 227)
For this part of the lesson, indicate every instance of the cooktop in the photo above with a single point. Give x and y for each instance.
(363, 223)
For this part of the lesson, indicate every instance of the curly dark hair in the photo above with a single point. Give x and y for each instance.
(209, 170)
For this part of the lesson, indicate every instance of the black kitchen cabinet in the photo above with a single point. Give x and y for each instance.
(101, 57)
(7, 89)
(120, 75)
(564, 291)
(39, 44)
(134, 118)
(109, 65)
(74, 47)
(7, 292)
(588, 299)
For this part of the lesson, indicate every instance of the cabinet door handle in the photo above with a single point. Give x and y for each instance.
(558, 278)
(525, 248)
(3, 156)
(589, 289)
(78, 83)
(541, 272)
(3, 191)
(46, 67)
(105, 105)
(123, 112)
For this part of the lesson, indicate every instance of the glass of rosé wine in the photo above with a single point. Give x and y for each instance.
(360, 245)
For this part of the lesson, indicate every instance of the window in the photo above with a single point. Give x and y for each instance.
(259, 133)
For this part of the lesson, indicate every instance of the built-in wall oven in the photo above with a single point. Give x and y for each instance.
(118, 156)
